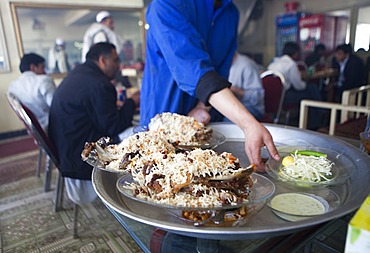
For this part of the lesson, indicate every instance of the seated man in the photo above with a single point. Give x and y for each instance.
(247, 85)
(83, 110)
(350, 69)
(296, 89)
(316, 56)
(34, 88)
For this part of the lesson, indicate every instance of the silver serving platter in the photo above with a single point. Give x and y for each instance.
(265, 223)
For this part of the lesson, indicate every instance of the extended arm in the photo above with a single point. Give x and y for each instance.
(256, 135)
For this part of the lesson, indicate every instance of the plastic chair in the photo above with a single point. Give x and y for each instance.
(35, 129)
(273, 83)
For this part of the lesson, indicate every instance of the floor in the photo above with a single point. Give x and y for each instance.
(28, 222)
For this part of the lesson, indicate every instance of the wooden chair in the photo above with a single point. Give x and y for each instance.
(355, 109)
(357, 96)
(34, 127)
(273, 83)
(13, 102)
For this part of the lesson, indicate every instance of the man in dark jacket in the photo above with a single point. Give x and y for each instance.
(350, 69)
(84, 109)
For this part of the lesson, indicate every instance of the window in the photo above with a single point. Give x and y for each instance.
(38, 27)
(362, 37)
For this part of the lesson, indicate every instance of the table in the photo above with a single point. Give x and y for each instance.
(325, 73)
(326, 80)
(135, 216)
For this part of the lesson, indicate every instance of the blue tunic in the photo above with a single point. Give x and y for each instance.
(186, 40)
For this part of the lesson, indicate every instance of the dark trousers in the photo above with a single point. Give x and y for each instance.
(312, 92)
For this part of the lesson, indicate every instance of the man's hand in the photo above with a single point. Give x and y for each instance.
(135, 96)
(256, 134)
(201, 115)
(256, 137)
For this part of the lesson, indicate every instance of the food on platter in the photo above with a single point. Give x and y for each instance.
(180, 129)
(160, 172)
(197, 178)
(124, 156)
(307, 165)
(196, 215)
(166, 175)
(99, 153)
(225, 215)
(164, 137)
(202, 217)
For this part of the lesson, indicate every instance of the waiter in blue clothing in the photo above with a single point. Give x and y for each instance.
(190, 46)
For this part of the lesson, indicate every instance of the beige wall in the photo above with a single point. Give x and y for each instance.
(8, 120)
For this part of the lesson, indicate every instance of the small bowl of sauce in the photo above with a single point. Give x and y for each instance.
(296, 206)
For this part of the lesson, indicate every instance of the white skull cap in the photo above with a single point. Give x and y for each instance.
(59, 42)
(102, 15)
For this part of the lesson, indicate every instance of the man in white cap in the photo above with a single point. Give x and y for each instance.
(101, 31)
(58, 59)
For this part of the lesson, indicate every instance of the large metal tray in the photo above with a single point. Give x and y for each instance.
(265, 223)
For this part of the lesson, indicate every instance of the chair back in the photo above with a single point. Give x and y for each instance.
(273, 83)
(34, 128)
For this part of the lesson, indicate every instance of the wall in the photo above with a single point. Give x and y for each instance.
(261, 38)
(8, 120)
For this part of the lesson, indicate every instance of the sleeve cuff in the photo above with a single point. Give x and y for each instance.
(211, 82)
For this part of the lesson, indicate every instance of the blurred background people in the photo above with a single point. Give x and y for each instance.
(247, 85)
(83, 110)
(296, 88)
(34, 88)
(127, 54)
(317, 56)
(286, 64)
(350, 69)
(101, 31)
(365, 57)
(190, 46)
(58, 59)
